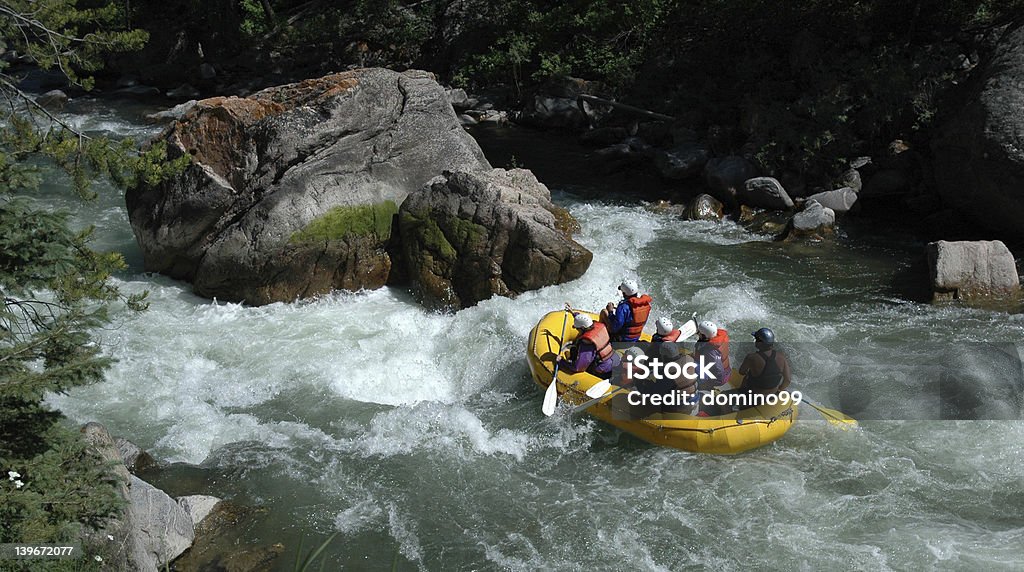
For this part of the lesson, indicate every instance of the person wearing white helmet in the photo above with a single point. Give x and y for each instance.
(627, 375)
(713, 344)
(626, 320)
(666, 331)
(592, 350)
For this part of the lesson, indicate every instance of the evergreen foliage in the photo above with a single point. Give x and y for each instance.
(55, 288)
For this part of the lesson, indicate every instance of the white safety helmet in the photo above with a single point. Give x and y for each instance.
(582, 322)
(629, 287)
(664, 326)
(708, 328)
(632, 352)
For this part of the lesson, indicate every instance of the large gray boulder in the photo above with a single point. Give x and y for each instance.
(979, 153)
(153, 530)
(971, 269)
(765, 193)
(468, 235)
(162, 528)
(291, 192)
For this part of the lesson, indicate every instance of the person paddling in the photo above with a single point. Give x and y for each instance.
(767, 369)
(626, 321)
(592, 350)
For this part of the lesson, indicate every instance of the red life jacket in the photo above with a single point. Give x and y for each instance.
(721, 343)
(599, 338)
(641, 309)
(669, 337)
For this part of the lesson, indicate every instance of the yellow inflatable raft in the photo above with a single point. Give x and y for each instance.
(724, 434)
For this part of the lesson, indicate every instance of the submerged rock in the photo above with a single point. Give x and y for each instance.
(704, 207)
(761, 221)
(54, 100)
(291, 192)
(467, 236)
(971, 269)
(814, 221)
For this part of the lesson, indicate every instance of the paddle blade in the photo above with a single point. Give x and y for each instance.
(599, 388)
(835, 417)
(550, 398)
(687, 330)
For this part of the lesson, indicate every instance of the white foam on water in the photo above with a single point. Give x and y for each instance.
(438, 427)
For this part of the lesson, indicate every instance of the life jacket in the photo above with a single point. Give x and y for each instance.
(641, 309)
(669, 337)
(769, 378)
(721, 342)
(599, 338)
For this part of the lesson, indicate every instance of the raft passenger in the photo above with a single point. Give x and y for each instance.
(592, 350)
(626, 321)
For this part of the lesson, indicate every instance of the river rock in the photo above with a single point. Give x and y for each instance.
(760, 221)
(766, 193)
(223, 543)
(459, 99)
(291, 191)
(54, 100)
(198, 506)
(556, 104)
(971, 269)
(682, 161)
(704, 207)
(839, 200)
(726, 176)
(133, 457)
(173, 114)
(163, 529)
(851, 179)
(979, 155)
(814, 221)
(104, 445)
(467, 236)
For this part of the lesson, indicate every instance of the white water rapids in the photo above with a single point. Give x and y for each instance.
(419, 436)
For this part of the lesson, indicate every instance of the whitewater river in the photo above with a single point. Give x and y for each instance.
(419, 436)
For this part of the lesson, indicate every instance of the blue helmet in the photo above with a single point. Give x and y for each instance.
(764, 335)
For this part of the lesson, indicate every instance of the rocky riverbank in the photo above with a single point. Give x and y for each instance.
(187, 533)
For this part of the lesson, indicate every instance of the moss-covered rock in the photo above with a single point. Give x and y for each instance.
(372, 220)
(468, 236)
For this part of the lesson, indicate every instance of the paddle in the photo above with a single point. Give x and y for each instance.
(835, 417)
(551, 394)
(600, 388)
(588, 404)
